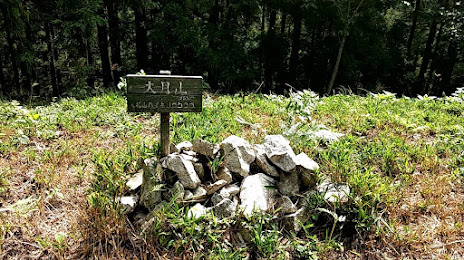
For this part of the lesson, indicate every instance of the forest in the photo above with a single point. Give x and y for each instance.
(52, 48)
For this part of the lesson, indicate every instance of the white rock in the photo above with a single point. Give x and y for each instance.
(238, 155)
(306, 167)
(256, 193)
(188, 195)
(128, 203)
(279, 152)
(197, 211)
(184, 146)
(135, 181)
(262, 161)
(306, 163)
(184, 170)
(334, 192)
(200, 194)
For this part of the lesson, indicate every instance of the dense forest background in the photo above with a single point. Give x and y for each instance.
(58, 47)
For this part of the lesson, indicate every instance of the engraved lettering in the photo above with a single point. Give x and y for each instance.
(165, 87)
(149, 88)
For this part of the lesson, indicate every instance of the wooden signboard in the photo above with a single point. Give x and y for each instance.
(164, 93)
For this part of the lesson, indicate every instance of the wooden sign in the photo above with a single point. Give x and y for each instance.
(164, 93)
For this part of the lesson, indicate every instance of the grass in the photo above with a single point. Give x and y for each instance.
(63, 164)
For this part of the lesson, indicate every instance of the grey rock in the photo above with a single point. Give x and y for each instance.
(135, 181)
(197, 211)
(306, 167)
(213, 187)
(225, 208)
(151, 190)
(199, 169)
(224, 174)
(188, 195)
(263, 162)
(286, 205)
(238, 155)
(279, 152)
(205, 148)
(151, 170)
(200, 194)
(257, 193)
(230, 191)
(173, 148)
(184, 146)
(294, 221)
(217, 198)
(334, 192)
(177, 192)
(289, 183)
(184, 170)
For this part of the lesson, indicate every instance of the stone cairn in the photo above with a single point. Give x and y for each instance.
(233, 177)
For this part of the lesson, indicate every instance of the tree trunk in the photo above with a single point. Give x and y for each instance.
(90, 63)
(267, 46)
(433, 61)
(213, 45)
(51, 59)
(296, 42)
(337, 62)
(419, 88)
(4, 88)
(115, 39)
(282, 23)
(14, 63)
(447, 70)
(141, 38)
(412, 31)
(102, 32)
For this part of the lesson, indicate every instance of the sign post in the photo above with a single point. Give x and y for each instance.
(164, 94)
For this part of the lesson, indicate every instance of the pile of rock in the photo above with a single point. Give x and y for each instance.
(232, 177)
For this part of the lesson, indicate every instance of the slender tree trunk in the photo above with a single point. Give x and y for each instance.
(32, 69)
(90, 63)
(282, 23)
(426, 58)
(59, 82)
(267, 46)
(51, 59)
(102, 32)
(141, 38)
(337, 62)
(449, 64)
(296, 42)
(412, 30)
(13, 58)
(115, 39)
(4, 87)
(213, 45)
(433, 61)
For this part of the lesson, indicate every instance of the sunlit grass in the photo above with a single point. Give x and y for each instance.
(401, 157)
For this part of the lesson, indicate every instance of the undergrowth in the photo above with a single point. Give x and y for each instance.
(391, 148)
